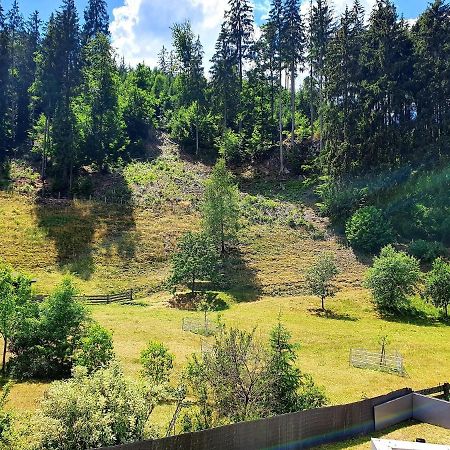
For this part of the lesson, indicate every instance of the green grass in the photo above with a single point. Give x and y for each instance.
(111, 248)
(325, 341)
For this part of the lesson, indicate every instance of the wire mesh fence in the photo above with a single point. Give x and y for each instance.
(385, 362)
(205, 327)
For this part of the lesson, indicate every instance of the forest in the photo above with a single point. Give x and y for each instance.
(334, 96)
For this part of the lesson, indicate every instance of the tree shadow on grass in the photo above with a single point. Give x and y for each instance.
(75, 226)
(239, 280)
(413, 315)
(329, 314)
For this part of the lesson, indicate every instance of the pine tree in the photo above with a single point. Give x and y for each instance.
(98, 104)
(4, 83)
(321, 30)
(431, 37)
(276, 27)
(163, 64)
(293, 49)
(387, 74)
(189, 53)
(239, 20)
(96, 19)
(224, 75)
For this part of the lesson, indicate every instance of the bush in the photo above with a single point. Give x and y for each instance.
(438, 285)
(95, 349)
(229, 145)
(339, 202)
(393, 277)
(368, 230)
(157, 363)
(425, 250)
(102, 409)
(46, 336)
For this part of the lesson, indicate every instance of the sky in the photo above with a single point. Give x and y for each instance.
(139, 28)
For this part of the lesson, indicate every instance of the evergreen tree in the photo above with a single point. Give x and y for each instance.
(431, 37)
(276, 29)
(321, 30)
(96, 19)
(293, 49)
(98, 104)
(4, 83)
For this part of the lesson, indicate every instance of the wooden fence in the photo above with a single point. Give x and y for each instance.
(108, 298)
(121, 297)
(300, 430)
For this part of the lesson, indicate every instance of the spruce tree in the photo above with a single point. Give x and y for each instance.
(4, 83)
(96, 19)
(293, 49)
(321, 30)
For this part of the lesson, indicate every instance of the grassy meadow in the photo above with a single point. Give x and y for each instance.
(109, 248)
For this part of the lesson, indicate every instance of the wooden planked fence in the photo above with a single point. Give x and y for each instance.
(108, 298)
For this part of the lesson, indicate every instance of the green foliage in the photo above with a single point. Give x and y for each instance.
(240, 379)
(157, 363)
(425, 250)
(46, 337)
(392, 278)
(368, 229)
(15, 294)
(6, 418)
(89, 411)
(95, 349)
(291, 390)
(221, 206)
(438, 285)
(320, 277)
(196, 259)
(229, 145)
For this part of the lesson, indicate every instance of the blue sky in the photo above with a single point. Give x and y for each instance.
(141, 27)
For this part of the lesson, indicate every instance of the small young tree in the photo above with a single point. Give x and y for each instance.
(95, 349)
(438, 285)
(15, 291)
(221, 206)
(320, 277)
(196, 259)
(157, 363)
(393, 276)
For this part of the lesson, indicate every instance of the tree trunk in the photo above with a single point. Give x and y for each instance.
(280, 121)
(5, 343)
(323, 302)
(193, 283)
(292, 105)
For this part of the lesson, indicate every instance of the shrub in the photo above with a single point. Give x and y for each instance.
(45, 338)
(5, 416)
(438, 285)
(95, 349)
(229, 145)
(425, 250)
(102, 409)
(157, 363)
(339, 202)
(368, 230)
(393, 276)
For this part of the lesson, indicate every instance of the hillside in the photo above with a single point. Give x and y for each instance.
(110, 247)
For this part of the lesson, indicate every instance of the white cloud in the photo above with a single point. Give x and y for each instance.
(141, 27)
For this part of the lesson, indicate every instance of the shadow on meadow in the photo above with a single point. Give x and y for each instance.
(239, 280)
(78, 228)
(329, 314)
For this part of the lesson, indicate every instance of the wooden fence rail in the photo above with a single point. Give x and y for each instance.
(126, 296)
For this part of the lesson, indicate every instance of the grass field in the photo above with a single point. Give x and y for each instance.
(112, 248)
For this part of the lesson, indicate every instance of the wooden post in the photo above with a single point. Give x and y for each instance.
(447, 391)
(131, 294)
(107, 298)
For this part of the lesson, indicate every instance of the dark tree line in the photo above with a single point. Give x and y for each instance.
(375, 94)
